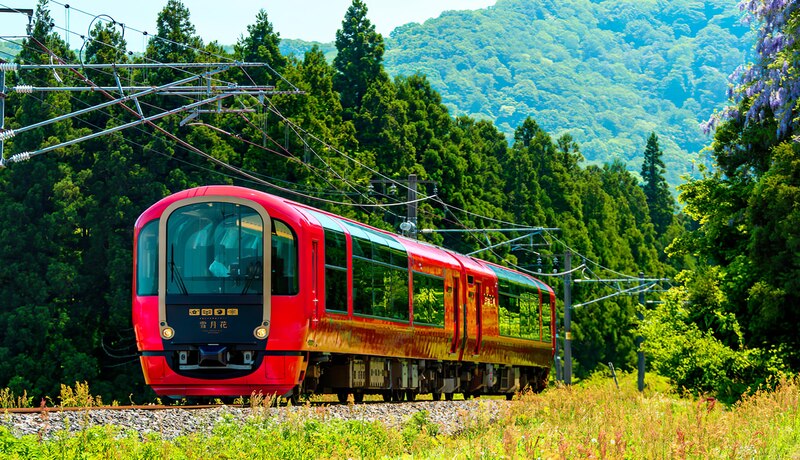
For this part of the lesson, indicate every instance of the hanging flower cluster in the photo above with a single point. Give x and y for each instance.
(770, 87)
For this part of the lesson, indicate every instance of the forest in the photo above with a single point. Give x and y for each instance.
(606, 72)
(335, 134)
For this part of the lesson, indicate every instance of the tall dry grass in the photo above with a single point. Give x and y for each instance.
(597, 420)
(593, 419)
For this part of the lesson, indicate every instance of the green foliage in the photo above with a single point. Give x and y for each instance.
(179, 42)
(747, 205)
(261, 45)
(603, 421)
(656, 190)
(359, 57)
(690, 339)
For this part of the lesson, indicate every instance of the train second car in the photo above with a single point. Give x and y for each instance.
(237, 291)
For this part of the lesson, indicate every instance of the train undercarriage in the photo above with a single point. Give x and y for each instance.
(398, 379)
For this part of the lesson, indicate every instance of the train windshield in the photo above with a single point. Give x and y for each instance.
(215, 248)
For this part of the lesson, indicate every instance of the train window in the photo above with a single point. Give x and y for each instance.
(147, 260)
(509, 315)
(284, 259)
(529, 315)
(335, 262)
(362, 247)
(335, 271)
(428, 299)
(546, 320)
(217, 248)
(520, 307)
(362, 286)
(380, 275)
(391, 286)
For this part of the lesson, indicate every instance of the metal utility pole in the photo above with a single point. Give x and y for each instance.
(643, 284)
(7, 66)
(2, 107)
(640, 339)
(409, 227)
(412, 201)
(568, 318)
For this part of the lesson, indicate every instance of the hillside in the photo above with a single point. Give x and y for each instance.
(608, 72)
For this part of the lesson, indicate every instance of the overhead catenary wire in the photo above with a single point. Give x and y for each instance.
(241, 173)
(206, 53)
(284, 79)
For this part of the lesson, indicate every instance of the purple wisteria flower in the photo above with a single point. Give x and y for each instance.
(771, 84)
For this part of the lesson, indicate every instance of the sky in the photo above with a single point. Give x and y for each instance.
(225, 21)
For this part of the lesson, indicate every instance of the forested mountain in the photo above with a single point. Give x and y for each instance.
(607, 72)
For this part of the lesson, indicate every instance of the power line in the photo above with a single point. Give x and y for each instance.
(295, 129)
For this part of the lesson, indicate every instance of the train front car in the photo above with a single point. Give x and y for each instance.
(207, 320)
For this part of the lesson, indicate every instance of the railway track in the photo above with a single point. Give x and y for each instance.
(173, 421)
(148, 407)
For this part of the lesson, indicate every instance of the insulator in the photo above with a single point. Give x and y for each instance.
(20, 157)
(7, 134)
(24, 89)
(8, 66)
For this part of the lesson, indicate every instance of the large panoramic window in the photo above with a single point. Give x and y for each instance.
(380, 275)
(519, 302)
(217, 248)
(428, 299)
(335, 271)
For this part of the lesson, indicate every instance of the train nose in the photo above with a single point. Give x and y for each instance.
(213, 355)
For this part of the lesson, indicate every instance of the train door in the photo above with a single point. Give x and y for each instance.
(457, 314)
(478, 317)
(314, 283)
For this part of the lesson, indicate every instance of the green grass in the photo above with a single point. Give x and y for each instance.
(592, 419)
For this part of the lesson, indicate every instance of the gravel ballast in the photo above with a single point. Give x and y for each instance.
(450, 416)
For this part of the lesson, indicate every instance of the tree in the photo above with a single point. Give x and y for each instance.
(656, 189)
(359, 58)
(42, 203)
(747, 205)
(261, 45)
(175, 41)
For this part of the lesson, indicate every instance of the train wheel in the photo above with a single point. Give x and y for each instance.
(358, 397)
(342, 395)
(387, 396)
(448, 396)
(436, 395)
(509, 396)
(411, 395)
(397, 395)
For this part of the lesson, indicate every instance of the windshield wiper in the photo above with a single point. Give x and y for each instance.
(176, 274)
(253, 273)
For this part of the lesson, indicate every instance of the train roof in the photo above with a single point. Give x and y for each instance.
(329, 220)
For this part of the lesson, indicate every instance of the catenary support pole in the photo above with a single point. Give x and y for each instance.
(412, 201)
(639, 338)
(567, 318)
(2, 110)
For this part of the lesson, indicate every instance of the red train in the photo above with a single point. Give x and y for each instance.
(346, 308)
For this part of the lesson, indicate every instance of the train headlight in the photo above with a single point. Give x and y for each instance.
(168, 333)
(260, 332)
